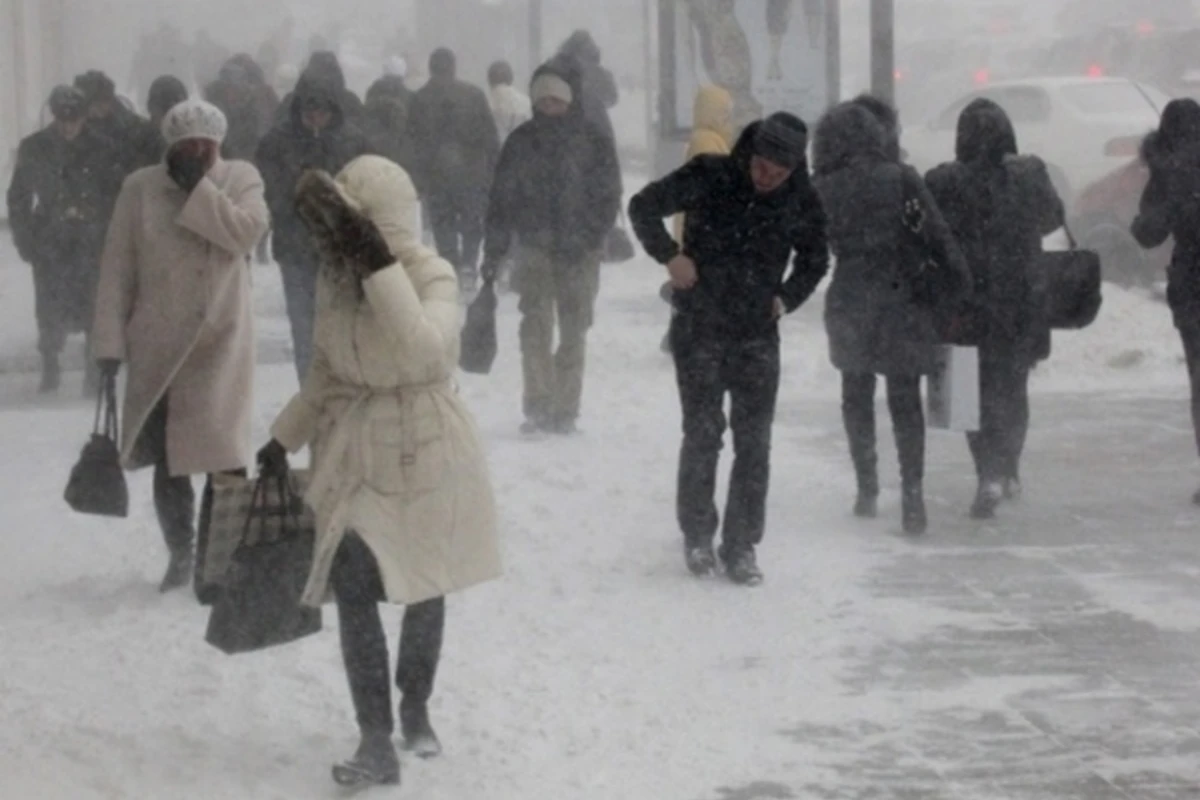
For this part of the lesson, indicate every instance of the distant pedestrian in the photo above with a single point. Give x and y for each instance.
(999, 206)
(510, 108)
(747, 215)
(1170, 207)
(138, 142)
(599, 87)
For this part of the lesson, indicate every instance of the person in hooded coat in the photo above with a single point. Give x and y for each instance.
(249, 103)
(599, 88)
(324, 66)
(999, 206)
(400, 485)
(315, 135)
(557, 192)
(174, 305)
(1170, 206)
(748, 213)
(457, 147)
(386, 121)
(139, 143)
(880, 310)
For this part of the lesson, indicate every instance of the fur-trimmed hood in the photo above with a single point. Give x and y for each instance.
(1177, 140)
(847, 133)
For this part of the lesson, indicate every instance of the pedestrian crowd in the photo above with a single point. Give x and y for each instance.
(141, 233)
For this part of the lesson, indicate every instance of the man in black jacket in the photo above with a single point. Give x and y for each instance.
(456, 148)
(314, 135)
(746, 214)
(558, 191)
(63, 189)
(139, 144)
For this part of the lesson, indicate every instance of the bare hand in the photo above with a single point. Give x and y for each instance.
(682, 271)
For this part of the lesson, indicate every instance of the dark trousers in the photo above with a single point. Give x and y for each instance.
(908, 422)
(63, 298)
(707, 370)
(1190, 333)
(457, 220)
(300, 295)
(358, 588)
(1004, 416)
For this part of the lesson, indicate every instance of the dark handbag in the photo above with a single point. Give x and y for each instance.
(931, 280)
(618, 247)
(259, 605)
(479, 344)
(1068, 287)
(97, 483)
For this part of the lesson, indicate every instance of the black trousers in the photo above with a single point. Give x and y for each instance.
(358, 589)
(706, 371)
(908, 422)
(1003, 416)
(457, 220)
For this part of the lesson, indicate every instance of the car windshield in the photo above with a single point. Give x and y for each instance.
(1108, 98)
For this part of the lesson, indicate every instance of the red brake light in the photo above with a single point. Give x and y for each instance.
(1095, 71)
(898, 75)
(1145, 28)
(983, 76)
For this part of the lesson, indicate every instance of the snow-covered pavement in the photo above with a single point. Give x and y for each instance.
(1054, 654)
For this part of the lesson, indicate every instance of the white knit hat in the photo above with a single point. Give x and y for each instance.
(396, 66)
(550, 85)
(194, 119)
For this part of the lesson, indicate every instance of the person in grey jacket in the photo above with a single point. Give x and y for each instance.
(884, 229)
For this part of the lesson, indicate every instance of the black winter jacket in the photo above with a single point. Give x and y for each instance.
(288, 151)
(455, 138)
(557, 186)
(138, 142)
(999, 206)
(740, 240)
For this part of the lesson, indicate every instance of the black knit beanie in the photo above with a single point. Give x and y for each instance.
(782, 138)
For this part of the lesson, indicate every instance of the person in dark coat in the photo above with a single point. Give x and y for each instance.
(600, 92)
(386, 120)
(1170, 206)
(457, 146)
(139, 144)
(324, 66)
(61, 197)
(248, 102)
(880, 307)
(746, 214)
(166, 92)
(888, 118)
(999, 206)
(557, 192)
(315, 135)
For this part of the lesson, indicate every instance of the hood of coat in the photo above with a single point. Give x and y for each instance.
(713, 112)
(567, 70)
(1177, 137)
(885, 114)
(314, 87)
(389, 87)
(383, 192)
(324, 65)
(985, 134)
(847, 133)
(743, 151)
(580, 45)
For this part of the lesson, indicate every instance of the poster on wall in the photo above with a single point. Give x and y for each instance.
(770, 55)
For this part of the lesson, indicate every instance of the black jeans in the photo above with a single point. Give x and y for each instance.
(707, 370)
(1003, 416)
(358, 588)
(908, 421)
(457, 220)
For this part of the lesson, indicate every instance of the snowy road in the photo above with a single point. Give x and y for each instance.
(1053, 655)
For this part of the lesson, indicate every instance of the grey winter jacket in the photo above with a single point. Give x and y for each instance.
(876, 316)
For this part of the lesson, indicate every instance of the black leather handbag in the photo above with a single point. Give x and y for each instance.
(1069, 285)
(479, 345)
(97, 483)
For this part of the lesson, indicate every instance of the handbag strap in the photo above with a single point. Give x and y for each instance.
(260, 507)
(106, 407)
(1070, 236)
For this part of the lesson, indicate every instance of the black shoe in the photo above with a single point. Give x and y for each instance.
(915, 520)
(375, 764)
(987, 499)
(701, 560)
(51, 376)
(179, 571)
(1013, 489)
(866, 506)
(742, 568)
(419, 736)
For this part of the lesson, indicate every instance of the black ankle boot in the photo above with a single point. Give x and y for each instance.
(915, 519)
(375, 763)
(419, 736)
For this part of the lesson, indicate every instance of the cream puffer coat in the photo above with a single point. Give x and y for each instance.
(396, 455)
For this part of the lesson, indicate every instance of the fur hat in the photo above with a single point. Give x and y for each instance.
(194, 119)
(550, 85)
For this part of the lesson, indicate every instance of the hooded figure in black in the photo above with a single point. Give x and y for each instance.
(999, 206)
(557, 192)
(315, 135)
(139, 144)
(249, 103)
(324, 66)
(386, 121)
(456, 146)
(880, 308)
(63, 189)
(599, 88)
(1170, 206)
(747, 214)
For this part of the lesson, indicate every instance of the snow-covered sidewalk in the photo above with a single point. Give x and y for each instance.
(1051, 655)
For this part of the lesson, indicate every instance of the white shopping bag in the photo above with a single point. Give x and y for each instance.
(953, 399)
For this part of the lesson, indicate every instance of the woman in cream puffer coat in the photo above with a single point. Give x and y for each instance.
(399, 483)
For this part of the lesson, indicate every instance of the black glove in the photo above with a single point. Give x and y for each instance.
(273, 460)
(186, 170)
(109, 367)
(365, 243)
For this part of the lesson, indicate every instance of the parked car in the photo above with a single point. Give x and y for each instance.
(1101, 222)
(1084, 128)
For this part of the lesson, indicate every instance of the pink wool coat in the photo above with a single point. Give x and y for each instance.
(174, 304)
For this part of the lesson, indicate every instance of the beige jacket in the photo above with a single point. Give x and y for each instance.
(174, 303)
(396, 456)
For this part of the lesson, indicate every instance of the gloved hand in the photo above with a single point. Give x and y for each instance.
(109, 367)
(186, 170)
(365, 243)
(273, 460)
